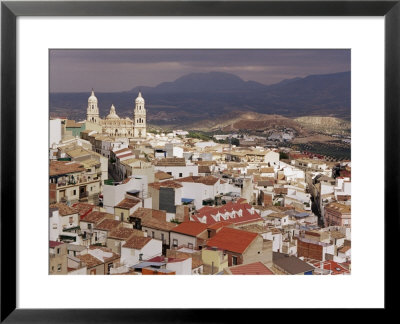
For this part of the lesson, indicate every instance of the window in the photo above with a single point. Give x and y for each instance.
(52, 268)
(58, 251)
(162, 237)
(175, 243)
(71, 220)
(190, 245)
(180, 175)
(110, 265)
(152, 234)
(89, 226)
(74, 192)
(59, 267)
(234, 260)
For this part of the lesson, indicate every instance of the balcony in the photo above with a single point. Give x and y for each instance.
(74, 182)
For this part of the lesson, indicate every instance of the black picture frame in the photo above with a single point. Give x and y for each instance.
(10, 10)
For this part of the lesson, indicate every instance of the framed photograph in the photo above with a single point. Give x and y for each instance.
(54, 52)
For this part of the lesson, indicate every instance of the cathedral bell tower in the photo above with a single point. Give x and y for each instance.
(139, 118)
(92, 112)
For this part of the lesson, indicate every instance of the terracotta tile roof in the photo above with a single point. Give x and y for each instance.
(204, 169)
(83, 208)
(207, 180)
(267, 170)
(165, 184)
(128, 203)
(65, 167)
(123, 233)
(230, 207)
(161, 175)
(53, 244)
(334, 267)
(136, 242)
(107, 224)
(171, 162)
(190, 228)
(64, 209)
(344, 249)
(124, 155)
(97, 216)
(158, 224)
(143, 213)
(231, 239)
(90, 260)
(220, 224)
(122, 151)
(343, 209)
(256, 268)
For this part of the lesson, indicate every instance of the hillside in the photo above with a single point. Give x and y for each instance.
(208, 96)
(325, 125)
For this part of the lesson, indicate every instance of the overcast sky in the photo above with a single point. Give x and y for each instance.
(121, 70)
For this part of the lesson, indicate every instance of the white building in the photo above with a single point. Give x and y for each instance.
(138, 249)
(55, 132)
(113, 194)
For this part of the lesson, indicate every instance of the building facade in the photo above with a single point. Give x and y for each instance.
(113, 125)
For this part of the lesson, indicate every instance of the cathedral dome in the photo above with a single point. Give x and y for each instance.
(92, 98)
(139, 99)
(112, 114)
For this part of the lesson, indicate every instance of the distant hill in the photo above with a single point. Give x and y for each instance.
(207, 96)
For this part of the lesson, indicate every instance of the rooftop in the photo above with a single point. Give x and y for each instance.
(165, 184)
(207, 180)
(96, 216)
(128, 203)
(344, 209)
(161, 175)
(123, 233)
(255, 268)
(53, 244)
(231, 239)
(136, 242)
(290, 264)
(64, 209)
(171, 162)
(65, 167)
(107, 224)
(190, 228)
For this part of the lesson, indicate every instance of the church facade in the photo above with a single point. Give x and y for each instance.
(115, 126)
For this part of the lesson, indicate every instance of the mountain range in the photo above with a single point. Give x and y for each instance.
(202, 96)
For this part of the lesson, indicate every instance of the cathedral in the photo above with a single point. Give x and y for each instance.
(115, 126)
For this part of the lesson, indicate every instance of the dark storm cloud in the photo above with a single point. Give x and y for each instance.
(118, 70)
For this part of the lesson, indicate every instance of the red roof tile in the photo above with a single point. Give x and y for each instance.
(256, 268)
(231, 239)
(53, 244)
(207, 180)
(190, 228)
(165, 184)
(64, 209)
(136, 242)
